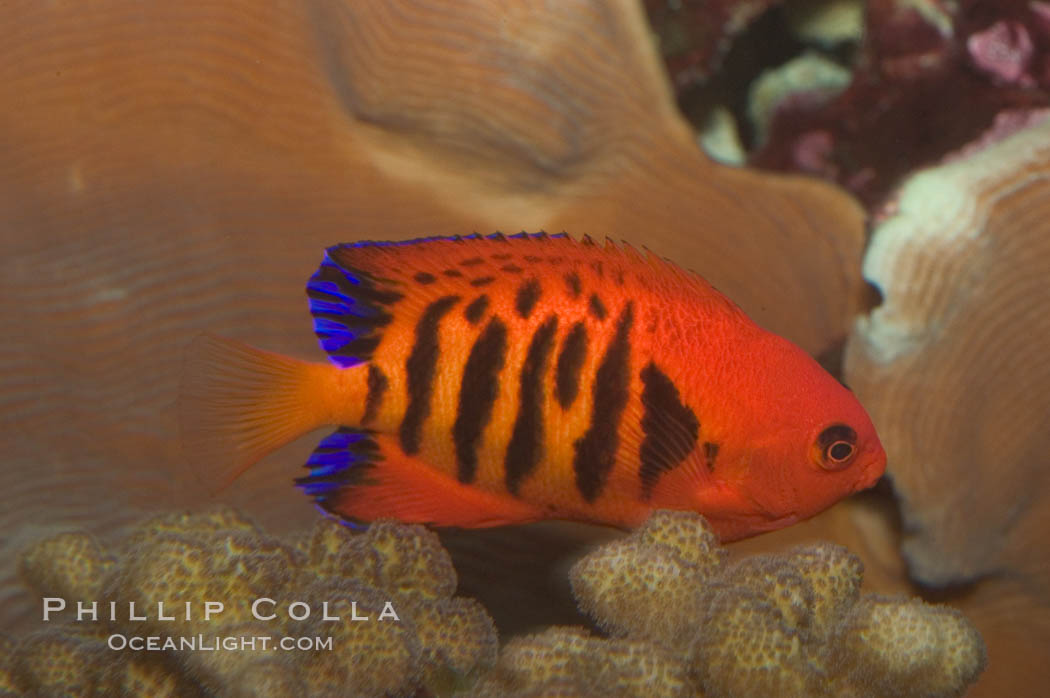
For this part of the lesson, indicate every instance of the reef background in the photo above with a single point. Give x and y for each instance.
(175, 168)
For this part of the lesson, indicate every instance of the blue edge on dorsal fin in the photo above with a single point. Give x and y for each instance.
(348, 306)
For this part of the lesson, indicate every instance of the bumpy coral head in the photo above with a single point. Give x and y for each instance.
(797, 441)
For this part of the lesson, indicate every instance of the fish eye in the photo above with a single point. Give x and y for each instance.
(837, 445)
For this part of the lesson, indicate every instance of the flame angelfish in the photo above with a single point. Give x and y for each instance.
(480, 381)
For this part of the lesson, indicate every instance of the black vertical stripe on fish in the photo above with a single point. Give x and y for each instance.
(572, 280)
(596, 449)
(526, 442)
(597, 308)
(478, 391)
(527, 296)
(419, 368)
(476, 309)
(377, 385)
(710, 454)
(570, 365)
(670, 428)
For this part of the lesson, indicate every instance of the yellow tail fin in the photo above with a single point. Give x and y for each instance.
(239, 403)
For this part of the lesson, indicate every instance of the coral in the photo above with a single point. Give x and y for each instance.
(397, 627)
(929, 77)
(8, 684)
(951, 369)
(961, 257)
(568, 661)
(810, 77)
(70, 565)
(746, 647)
(834, 577)
(684, 623)
(649, 585)
(826, 22)
(376, 657)
(886, 643)
(56, 662)
(694, 35)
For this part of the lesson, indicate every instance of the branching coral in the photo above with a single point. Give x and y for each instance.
(682, 621)
(784, 624)
(398, 577)
(569, 661)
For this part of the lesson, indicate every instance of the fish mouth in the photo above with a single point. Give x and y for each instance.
(872, 473)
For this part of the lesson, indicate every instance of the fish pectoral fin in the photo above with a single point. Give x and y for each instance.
(362, 476)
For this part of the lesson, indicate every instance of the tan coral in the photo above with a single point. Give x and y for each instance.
(68, 565)
(180, 558)
(952, 368)
(145, 675)
(332, 550)
(569, 661)
(8, 685)
(689, 536)
(417, 635)
(645, 591)
(165, 187)
(776, 579)
(744, 647)
(59, 662)
(270, 677)
(773, 624)
(834, 575)
(648, 585)
(887, 643)
(376, 657)
(951, 364)
(411, 561)
(457, 636)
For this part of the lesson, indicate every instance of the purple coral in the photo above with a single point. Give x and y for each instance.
(1004, 51)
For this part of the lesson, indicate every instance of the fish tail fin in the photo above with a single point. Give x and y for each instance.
(239, 403)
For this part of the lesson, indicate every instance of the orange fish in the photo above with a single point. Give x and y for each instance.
(481, 381)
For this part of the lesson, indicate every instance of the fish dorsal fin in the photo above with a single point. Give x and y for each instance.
(362, 287)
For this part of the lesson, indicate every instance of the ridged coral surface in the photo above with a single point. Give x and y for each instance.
(952, 367)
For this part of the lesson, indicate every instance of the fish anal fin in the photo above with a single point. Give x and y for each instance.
(376, 480)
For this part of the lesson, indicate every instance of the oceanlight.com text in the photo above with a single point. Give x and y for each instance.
(217, 643)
